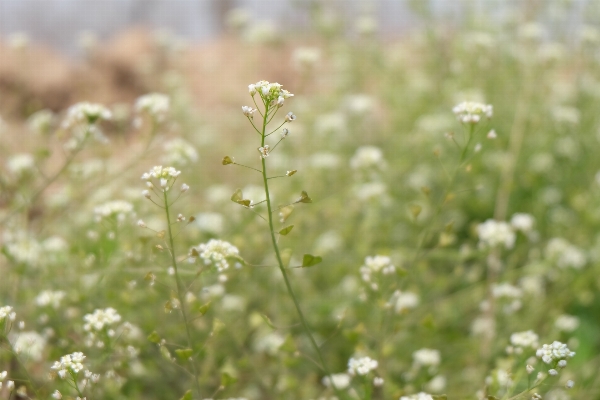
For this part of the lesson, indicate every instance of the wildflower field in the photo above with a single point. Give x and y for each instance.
(327, 214)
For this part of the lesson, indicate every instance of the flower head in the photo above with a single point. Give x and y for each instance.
(85, 112)
(165, 176)
(271, 93)
(215, 252)
(361, 366)
(469, 112)
(72, 363)
(155, 105)
(554, 352)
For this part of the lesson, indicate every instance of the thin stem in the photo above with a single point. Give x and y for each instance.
(245, 166)
(323, 366)
(180, 293)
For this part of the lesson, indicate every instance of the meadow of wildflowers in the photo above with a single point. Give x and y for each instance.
(337, 216)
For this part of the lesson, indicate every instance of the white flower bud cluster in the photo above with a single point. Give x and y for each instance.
(216, 252)
(10, 385)
(21, 164)
(116, 208)
(426, 358)
(521, 340)
(403, 301)
(361, 366)
(271, 93)
(555, 352)
(367, 157)
(564, 254)
(522, 222)
(72, 363)
(376, 264)
(100, 321)
(50, 298)
(494, 233)
(85, 112)
(165, 175)
(341, 381)
(7, 313)
(469, 112)
(155, 105)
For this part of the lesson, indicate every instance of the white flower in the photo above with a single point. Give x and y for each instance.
(164, 175)
(469, 112)
(41, 121)
(376, 264)
(305, 58)
(85, 113)
(564, 254)
(567, 323)
(403, 301)
(367, 157)
(269, 343)
(7, 312)
(554, 352)
(569, 384)
(341, 381)
(361, 366)
(290, 117)
(155, 105)
(552, 372)
(101, 319)
(29, 345)
(248, 111)
(522, 222)
(50, 298)
(179, 152)
(21, 164)
(529, 369)
(494, 233)
(506, 290)
(57, 395)
(71, 362)
(264, 151)
(524, 339)
(284, 133)
(115, 208)
(378, 381)
(216, 252)
(271, 93)
(426, 358)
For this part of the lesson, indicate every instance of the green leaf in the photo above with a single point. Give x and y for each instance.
(227, 160)
(309, 260)
(268, 321)
(439, 397)
(286, 230)
(187, 395)
(304, 198)
(184, 354)
(168, 306)
(203, 309)
(292, 172)
(227, 379)
(154, 337)
(286, 256)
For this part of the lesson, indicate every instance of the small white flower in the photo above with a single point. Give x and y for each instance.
(569, 384)
(57, 395)
(426, 358)
(216, 252)
(284, 133)
(554, 352)
(361, 366)
(264, 151)
(378, 381)
(290, 117)
(562, 363)
(522, 222)
(155, 105)
(471, 112)
(141, 223)
(184, 187)
(552, 372)
(341, 381)
(529, 369)
(492, 134)
(494, 233)
(248, 111)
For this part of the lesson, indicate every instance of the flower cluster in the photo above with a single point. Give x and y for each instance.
(361, 366)
(521, 340)
(179, 152)
(100, 322)
(554, 353)
(494, 233)
(114, 208)
(7, 313)
(10, 385)
(71, 363)
(367, 157)
(564, 254)
(155, 105)
(215, 252)
(403, 301)
(85, 112)
(21, 164)
(271, 93)
(165, 175)
(341, 381)
(427, 358)
(376, 264)
(469, 112)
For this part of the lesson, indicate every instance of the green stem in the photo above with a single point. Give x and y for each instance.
(180, 292)
(282, 268)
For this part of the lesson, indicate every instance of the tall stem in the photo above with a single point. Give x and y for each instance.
(282, 268)
(180, 292)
